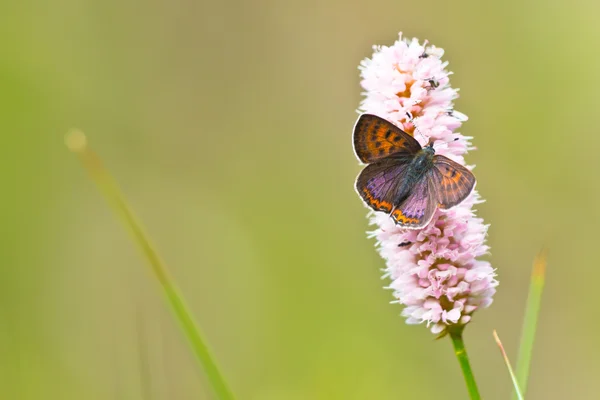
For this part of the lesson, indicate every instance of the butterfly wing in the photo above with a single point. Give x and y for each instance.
(453, 182)
(375, 138)
(379, 183)
(417, 210)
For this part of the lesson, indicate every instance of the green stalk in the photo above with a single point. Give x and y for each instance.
(534, 299)
(77, 143)
(463, 359)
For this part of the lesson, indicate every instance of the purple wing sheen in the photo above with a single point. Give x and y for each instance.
(417, 210)
(378, 184)
(453, 182)
(375, 138)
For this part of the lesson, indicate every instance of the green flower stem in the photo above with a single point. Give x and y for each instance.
(77, 143)
(463, 360)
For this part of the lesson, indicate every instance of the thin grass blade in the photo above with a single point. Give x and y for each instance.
(76, 141)
(510, 370)
(532, 311)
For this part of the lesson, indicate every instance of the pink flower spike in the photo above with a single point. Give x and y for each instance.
(435, 271)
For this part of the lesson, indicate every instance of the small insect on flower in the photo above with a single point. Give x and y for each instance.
(431, 52)
(458, 115)
(433, 83)
(403, 179)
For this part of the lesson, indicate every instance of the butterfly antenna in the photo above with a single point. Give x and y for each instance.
(413, 120)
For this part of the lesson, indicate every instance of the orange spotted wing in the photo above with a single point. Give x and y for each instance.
(375, 138)
(397, 183)
(453, 181)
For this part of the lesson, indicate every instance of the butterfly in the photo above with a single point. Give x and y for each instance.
(403, 179)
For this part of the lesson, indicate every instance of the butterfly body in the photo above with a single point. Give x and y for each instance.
(420, 165)
(403, 179)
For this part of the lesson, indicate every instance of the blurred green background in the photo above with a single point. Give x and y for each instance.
(228, 125)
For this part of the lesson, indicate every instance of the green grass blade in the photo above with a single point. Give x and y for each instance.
(510, 370)
(534, 298)
(77, 143)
